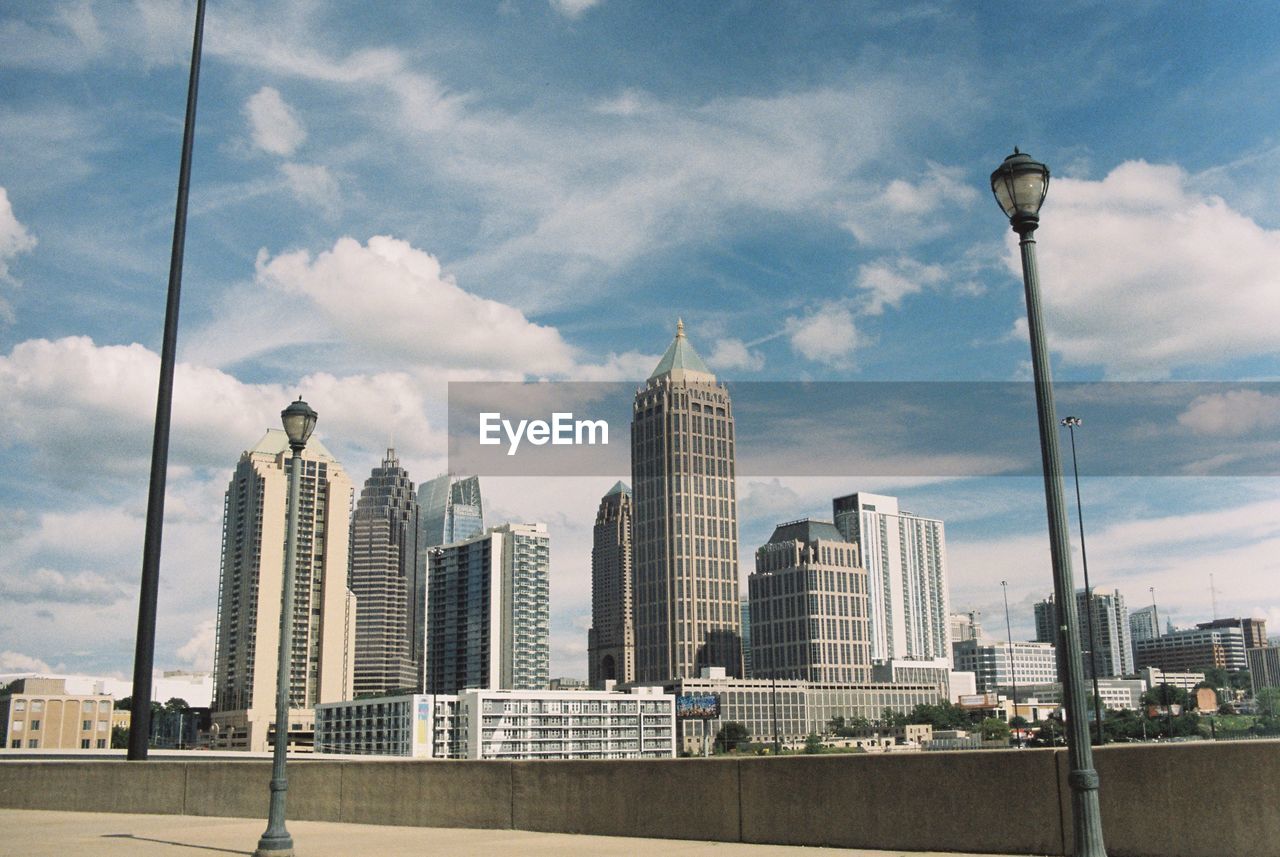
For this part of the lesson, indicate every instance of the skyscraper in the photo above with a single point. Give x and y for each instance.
(1111, 631)
(385, 580)
(905, 557)
(489, 605)
(611, 640)
(686, 520)
(449, 511)
(809, 607)
(254, 522)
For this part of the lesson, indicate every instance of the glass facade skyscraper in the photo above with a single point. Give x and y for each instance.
(686, 520)
(489, 611)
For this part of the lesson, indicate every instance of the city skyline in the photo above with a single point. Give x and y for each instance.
(528, 191)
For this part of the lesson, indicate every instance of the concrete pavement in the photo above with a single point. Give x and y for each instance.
(41, 833)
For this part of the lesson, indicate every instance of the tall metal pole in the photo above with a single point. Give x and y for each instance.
(1071, 423)
(276, 841)
(1083, 779)
(773, 681)
(1013, 664)
(145, 646)
(1155, 610)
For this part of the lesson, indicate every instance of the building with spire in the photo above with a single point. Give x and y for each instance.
(385, 580)
(611, 639)
(686, 520)
(250, 589)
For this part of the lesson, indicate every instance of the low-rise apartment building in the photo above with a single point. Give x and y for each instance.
(39, 714)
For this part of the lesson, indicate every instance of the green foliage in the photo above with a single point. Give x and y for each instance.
(119, 737)
(849, 728)
(1268, 702)
(731, 735)
(1049, 734)
(813, 743)
(994, 729)
(894, 719)
(177, 705)
(942, 715)
(1165, 695)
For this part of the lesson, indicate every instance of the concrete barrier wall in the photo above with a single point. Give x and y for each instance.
(1187, 800)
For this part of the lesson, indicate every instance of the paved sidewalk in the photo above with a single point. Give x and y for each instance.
(38, 833)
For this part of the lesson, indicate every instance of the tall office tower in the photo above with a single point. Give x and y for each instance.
(254, 523)
(1111, 631)
(905, 556)
(611, 650)
(489, 611)
(1254, 630)
(385, 580)
(686, 520)
(449, 511)
(809, 607)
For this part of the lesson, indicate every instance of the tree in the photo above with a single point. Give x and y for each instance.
(942, 715)
(894, 719)
(1166, 695)
(854, 726)
(1268, 701)
(732, 734)
(119, 737)
(813, 743)
(1217, 677)
(994, 729)
(177, 705)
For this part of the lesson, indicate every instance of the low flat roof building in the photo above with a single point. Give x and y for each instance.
(39, 714)
(502, 724)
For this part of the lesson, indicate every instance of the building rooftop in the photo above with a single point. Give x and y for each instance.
(805, 530)
(681, 361)
(619, 487)
(275, 441)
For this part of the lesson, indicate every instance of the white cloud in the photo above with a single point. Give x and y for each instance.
(409, 308)
(81, 405)
(573, 8)
(198, 651)
(273, 125)
(14, 237)
(827, 335)
(16, 662)
(45, 586)
(67, 41)
(1231, 414)
(907, 212)
(1140, 274)
(313, 184)
(887, 282)
(730, 354)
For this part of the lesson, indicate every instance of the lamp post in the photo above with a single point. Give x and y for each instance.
(299, 421)
(1072, 423)
(1019, 185)
(1013, 665)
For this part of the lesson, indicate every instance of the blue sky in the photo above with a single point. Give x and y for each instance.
(388, 197)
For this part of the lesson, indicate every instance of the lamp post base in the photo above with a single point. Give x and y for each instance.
(282, 847)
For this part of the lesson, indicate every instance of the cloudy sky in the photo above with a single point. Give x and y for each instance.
(388, 197)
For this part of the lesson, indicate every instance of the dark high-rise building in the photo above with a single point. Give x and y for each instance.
(686, 521)
(611, 640)
(385, 577)
(489, 602)
(809, 607)
(1112, 646)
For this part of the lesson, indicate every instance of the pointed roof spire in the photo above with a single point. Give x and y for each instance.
(681, 362)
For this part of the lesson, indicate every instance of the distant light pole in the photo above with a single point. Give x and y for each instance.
(299, 421)
(1072, 423)
(1013, 664)
(1019, 185)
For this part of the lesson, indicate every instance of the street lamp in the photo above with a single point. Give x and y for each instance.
(1013, 664)
(299, 421)
(1019, 186)
(1072, 423)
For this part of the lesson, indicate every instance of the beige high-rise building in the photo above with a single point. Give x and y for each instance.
(254, 522)
(686, 521)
